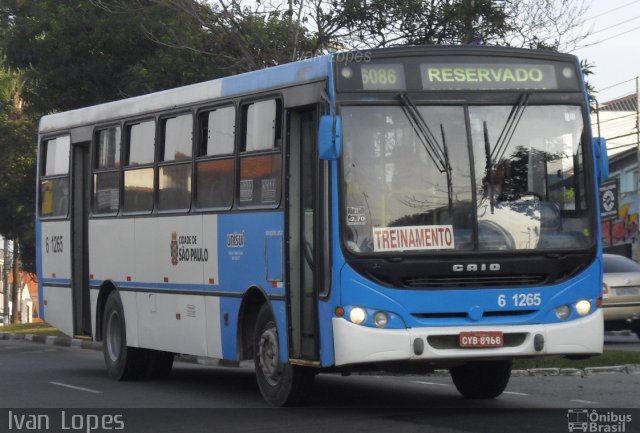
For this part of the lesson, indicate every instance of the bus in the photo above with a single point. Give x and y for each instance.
(401, 209)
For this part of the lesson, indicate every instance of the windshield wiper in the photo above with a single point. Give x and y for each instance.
(497, 153)
(439, 155)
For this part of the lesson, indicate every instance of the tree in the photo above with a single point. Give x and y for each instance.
(17, 177)
(550, 24)
(75, 54)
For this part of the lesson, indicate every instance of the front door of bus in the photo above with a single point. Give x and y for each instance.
(305, 259)
(79, 231)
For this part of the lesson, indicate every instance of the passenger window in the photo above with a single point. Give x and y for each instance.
(262, 124)
(106, 171)
(54, 184)
(215, 167)
(217, 131)
(260, 180)
(139, 181)
(174, 171)
(141, 139)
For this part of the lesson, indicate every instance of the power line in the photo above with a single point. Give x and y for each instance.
(615, 25)
(611, 10)
(618, 84)
(617, 118)
(609, 38)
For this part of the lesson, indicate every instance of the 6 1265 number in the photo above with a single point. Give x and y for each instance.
(521, 300)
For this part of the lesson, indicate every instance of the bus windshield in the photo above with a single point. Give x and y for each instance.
(464, 178)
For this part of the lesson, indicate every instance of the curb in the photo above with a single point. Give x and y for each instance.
(51, 340)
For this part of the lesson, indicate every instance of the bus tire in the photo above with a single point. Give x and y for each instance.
(280, 384)
(123, 362)
(482, 379)
(159, 364)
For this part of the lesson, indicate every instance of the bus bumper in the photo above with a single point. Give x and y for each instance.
(355, 344)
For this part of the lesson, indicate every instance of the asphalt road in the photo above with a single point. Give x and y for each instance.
(35, 376)
(622, 341)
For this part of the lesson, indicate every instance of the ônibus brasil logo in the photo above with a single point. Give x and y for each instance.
(592, 421)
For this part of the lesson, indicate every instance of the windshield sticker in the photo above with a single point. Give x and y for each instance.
(412, 238)
(356, 216)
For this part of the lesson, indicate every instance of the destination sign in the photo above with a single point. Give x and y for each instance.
(466, 76)
(455, 73)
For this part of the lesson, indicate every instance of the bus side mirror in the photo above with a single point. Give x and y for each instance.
(602, 161)
(330, 137)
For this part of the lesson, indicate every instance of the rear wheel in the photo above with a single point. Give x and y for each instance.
(123, 362)
(280, 384)
(482, 379)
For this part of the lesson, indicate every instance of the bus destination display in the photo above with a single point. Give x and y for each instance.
(468, 76)
(446, 75)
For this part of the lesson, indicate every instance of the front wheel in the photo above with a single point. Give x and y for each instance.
(482, 379)
(280, 384)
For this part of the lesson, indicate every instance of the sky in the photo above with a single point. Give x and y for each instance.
(613, 47)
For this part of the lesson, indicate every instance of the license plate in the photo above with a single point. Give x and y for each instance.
(627, 291)
(481, 339)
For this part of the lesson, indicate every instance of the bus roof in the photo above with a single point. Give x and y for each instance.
(264, 79)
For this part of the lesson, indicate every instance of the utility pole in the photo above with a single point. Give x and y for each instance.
(17, 282)
(5, 283)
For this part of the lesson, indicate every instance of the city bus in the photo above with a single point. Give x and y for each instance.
(401, 209)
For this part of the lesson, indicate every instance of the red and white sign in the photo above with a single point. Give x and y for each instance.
(412, 238)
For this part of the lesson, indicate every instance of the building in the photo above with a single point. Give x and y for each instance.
(28, 296)
(617, 122)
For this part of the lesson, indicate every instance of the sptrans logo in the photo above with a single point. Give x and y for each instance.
(592, 421)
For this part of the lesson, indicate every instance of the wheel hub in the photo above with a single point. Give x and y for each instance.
(114, 336)
(269, 356)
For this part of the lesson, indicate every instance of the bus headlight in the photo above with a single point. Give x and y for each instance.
(358, 315)
(563, 312)
(583, 307)
(381, 319)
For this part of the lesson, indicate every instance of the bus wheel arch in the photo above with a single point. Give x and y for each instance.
(105, 290)
(281, 384)
(252, 301)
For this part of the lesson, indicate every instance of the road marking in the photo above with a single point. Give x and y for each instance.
(515, 393)
(585, 401)
(429, 383)
(79, 388)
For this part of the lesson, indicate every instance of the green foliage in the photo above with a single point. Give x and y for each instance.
(75, 54)
(17, 168)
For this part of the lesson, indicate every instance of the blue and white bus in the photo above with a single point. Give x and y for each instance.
(399, 209)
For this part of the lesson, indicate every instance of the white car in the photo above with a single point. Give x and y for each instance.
(621, 293)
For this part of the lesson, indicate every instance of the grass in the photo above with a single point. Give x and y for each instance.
(608, 358)
(32, 328)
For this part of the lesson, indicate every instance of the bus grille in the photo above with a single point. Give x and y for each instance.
(473, 281)
(463, 315)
